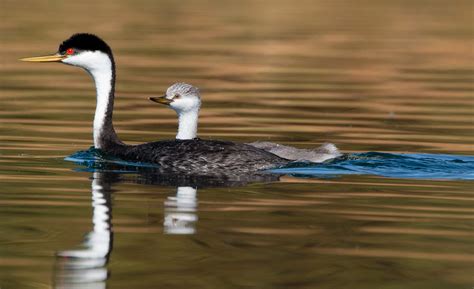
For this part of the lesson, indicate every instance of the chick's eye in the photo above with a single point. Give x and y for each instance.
(69, 51)
(177, 96)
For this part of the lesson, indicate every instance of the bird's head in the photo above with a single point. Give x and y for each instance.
(83, 50)
(181, 97)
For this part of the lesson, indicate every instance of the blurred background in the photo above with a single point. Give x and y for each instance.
(365, 75)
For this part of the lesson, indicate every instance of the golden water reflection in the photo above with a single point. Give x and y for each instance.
(393, 76)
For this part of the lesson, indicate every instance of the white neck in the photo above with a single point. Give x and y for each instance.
(188, 122)
(103, 84)
(99, 65)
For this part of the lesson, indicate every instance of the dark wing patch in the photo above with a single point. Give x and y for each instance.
(200, 156)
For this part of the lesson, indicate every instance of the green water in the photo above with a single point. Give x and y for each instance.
(387, 76)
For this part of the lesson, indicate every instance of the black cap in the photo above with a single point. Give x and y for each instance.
(84, 41)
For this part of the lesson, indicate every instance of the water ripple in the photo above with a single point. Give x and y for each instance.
(416, 166)
(392, 165)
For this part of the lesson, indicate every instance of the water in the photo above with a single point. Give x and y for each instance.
(416, 166)
(389, 82)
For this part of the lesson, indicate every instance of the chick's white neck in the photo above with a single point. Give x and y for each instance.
(188, 122)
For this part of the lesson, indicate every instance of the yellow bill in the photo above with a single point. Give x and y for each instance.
(161, 100)
(47, 58)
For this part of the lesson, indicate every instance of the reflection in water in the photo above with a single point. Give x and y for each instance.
(180, 212)
(86, 267)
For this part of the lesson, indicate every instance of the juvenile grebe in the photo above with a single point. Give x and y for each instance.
(185, 99)
(188, 156)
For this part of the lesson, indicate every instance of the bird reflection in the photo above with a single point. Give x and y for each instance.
(180, 212)
(86, 267)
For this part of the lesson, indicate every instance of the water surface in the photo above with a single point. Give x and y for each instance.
(393, 78)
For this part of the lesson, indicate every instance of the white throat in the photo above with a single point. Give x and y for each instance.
(99, 66)
(103, 84)
(188, 122)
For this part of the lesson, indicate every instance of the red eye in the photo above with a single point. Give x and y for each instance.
(69, 51)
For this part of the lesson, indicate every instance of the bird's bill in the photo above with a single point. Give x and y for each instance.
(47, 58)
(161, 100)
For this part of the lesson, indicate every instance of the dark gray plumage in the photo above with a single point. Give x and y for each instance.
(197, 156)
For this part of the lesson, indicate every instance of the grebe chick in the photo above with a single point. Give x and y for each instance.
(190, 157)
(185, 99)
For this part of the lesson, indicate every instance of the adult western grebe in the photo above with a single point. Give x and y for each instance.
(185, 99)
(189, 156)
